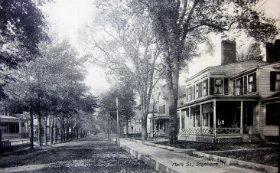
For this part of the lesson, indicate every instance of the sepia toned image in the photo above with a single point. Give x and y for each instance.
(171, 86)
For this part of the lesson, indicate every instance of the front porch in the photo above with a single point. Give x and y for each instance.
(161, 127)
(216, 121)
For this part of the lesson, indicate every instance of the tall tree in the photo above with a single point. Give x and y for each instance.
(131, 51)
(51, 85)
(21, 30)
(181, 25)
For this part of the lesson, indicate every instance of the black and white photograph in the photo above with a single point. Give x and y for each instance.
(139, 86)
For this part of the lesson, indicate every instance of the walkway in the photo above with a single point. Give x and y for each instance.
(170, 161)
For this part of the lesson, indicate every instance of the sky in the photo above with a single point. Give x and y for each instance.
(67, 18)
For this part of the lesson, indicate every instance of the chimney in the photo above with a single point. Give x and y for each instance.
(273, 51)
(228, 52)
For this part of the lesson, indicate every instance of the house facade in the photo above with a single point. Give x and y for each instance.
(134, 124)
(14, 127)
(233, 102)
(158, 117)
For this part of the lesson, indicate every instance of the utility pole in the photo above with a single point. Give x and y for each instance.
(118, 126)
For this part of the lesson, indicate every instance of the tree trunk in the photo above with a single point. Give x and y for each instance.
(55, 131)
(77, 131)
(67, 130)
(62, 130)
(46, 130)
(31, 129)
(173, 83)
(52, 130)
(126, 126)
(144, 134)
(40, 130)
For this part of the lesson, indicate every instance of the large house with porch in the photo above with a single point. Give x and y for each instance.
(232, 102)
(158, 118)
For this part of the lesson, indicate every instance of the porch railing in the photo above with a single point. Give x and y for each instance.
(227, 131)
(196, 131)
(209, 131)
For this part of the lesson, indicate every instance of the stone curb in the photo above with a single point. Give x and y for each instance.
(149, 160)
(230, 161)
(176, 150)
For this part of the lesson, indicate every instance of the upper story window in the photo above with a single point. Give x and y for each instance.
(238, 87)
(275, 81)
(252, 83)
(218, 89)
(205, 87)
(198, 90)
(189, 93)
(162, 109)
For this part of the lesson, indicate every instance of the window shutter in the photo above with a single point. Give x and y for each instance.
(226, 86)
(241, 86)
(272, 80)
(245, 84)
(255, 82)
(206, 86)
(211, 86)
(187, 95)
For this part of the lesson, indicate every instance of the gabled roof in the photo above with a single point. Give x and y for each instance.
(231, 69)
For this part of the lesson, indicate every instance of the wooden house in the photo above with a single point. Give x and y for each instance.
(233, 102)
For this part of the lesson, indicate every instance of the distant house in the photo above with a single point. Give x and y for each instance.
(151, 126)
(158, 113)
(236, 101)
(134, 124)
(14, 127)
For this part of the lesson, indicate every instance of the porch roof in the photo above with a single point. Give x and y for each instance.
(161, 117)
(8, 119)
(274, 97)
(221, 98)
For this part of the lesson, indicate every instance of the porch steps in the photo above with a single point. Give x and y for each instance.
(254, 138)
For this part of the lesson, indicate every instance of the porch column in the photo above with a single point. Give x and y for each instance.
(19, 127)
(200, 113)
(200, 119)
(180, 115)
(190, 115)
(185, 114)
(241, 117)
(214, 119)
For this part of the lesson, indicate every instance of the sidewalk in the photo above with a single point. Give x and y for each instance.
(176, 162)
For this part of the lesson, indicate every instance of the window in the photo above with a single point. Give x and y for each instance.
(274, 81)
(252, 83)
(205, 119)
(205, 88)
(277, 82)
(190, 94)
(272, 114)
(198, 90)
(218, 86)
(237, 87)
(162, 109)
(183, 121)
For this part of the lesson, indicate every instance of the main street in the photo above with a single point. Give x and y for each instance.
(93, 154)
